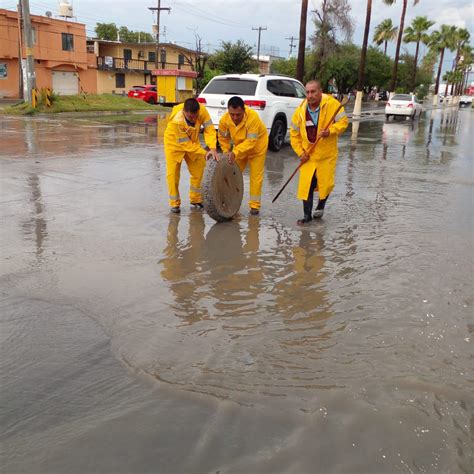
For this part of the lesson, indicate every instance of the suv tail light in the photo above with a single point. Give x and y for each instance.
(410, 105)
(201, 100)
(255, 104)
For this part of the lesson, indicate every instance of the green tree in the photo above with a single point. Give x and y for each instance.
(106, 31)
(233, 58)
(342, 67)
(378, 70)
(331, 20)
(466, 59)
(110, 31)
(417, 33)
(399, 40)
(385, 32)
(439, 41)
(284, 66)
(462, 39)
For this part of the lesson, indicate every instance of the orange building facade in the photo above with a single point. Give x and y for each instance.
(62, 61)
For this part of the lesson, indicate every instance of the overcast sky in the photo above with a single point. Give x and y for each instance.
(229, 20)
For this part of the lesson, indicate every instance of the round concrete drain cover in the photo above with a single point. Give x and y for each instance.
(223, 187)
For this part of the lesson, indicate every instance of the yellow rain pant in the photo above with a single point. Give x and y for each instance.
(257, 165)
(196, 163)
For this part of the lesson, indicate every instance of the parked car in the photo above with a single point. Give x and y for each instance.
(274, 97)
(442, 98)
(404, 105)
(383, 95)
(465, 100)
(147, 93)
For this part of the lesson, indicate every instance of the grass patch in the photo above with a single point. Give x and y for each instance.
(82, 103)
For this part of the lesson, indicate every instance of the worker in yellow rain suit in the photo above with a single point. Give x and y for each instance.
(243, 128)
(311, 121)
(182, 142)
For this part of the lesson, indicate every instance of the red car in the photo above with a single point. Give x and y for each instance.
(147, 93)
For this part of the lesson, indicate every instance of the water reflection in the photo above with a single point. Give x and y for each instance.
(36, 226)
(259, 304)
(49, 136)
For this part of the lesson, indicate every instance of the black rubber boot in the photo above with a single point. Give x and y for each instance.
(318, 213)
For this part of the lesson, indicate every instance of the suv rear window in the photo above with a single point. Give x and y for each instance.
(231, 86)
(137, 88)
(402, 97)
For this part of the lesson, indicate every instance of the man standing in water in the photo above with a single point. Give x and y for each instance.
(182, 143)
(309, 122)
(243, 136)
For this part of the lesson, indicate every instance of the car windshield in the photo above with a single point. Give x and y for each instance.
(404, 97)
(231, 86)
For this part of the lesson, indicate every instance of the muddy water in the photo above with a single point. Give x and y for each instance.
(147, 342)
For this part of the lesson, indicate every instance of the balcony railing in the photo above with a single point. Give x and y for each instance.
(108, 63)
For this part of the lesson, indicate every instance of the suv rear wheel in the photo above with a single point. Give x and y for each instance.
(277, 135)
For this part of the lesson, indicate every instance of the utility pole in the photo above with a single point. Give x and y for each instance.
(292, 45)
(302, 41)
(157, 47)
(259, 29)
(28, 39)
(21, 93)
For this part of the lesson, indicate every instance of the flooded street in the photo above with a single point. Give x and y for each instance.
(139, 341)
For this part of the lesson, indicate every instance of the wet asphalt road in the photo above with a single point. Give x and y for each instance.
(138, 341)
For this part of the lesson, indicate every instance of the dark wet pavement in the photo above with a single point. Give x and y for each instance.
(138, 341)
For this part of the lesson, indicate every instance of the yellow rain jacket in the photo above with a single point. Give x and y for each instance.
(249, 142)
(182, 142)
(323, 158)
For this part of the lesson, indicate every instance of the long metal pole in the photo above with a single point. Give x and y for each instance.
(30, 60)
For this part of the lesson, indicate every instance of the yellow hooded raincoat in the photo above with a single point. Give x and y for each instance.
(250, 140)
(323, 158)
(182, 142)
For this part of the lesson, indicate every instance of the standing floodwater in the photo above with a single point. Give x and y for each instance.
(138, 341)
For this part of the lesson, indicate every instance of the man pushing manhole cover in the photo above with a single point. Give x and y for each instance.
(243, 138)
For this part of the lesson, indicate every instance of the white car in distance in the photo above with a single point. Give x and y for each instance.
(403, 105)
(274, 97)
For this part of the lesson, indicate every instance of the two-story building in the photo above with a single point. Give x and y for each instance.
(59, 49)
(121, 66)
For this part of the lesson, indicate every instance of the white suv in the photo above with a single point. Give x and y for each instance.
(274, 97)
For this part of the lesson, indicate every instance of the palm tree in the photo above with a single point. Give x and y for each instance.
(462, 39)
(440, 41)
(363, 54)
(450, 78)
(385, 32)
(466, 59)
(417, 33)
(399, 40)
